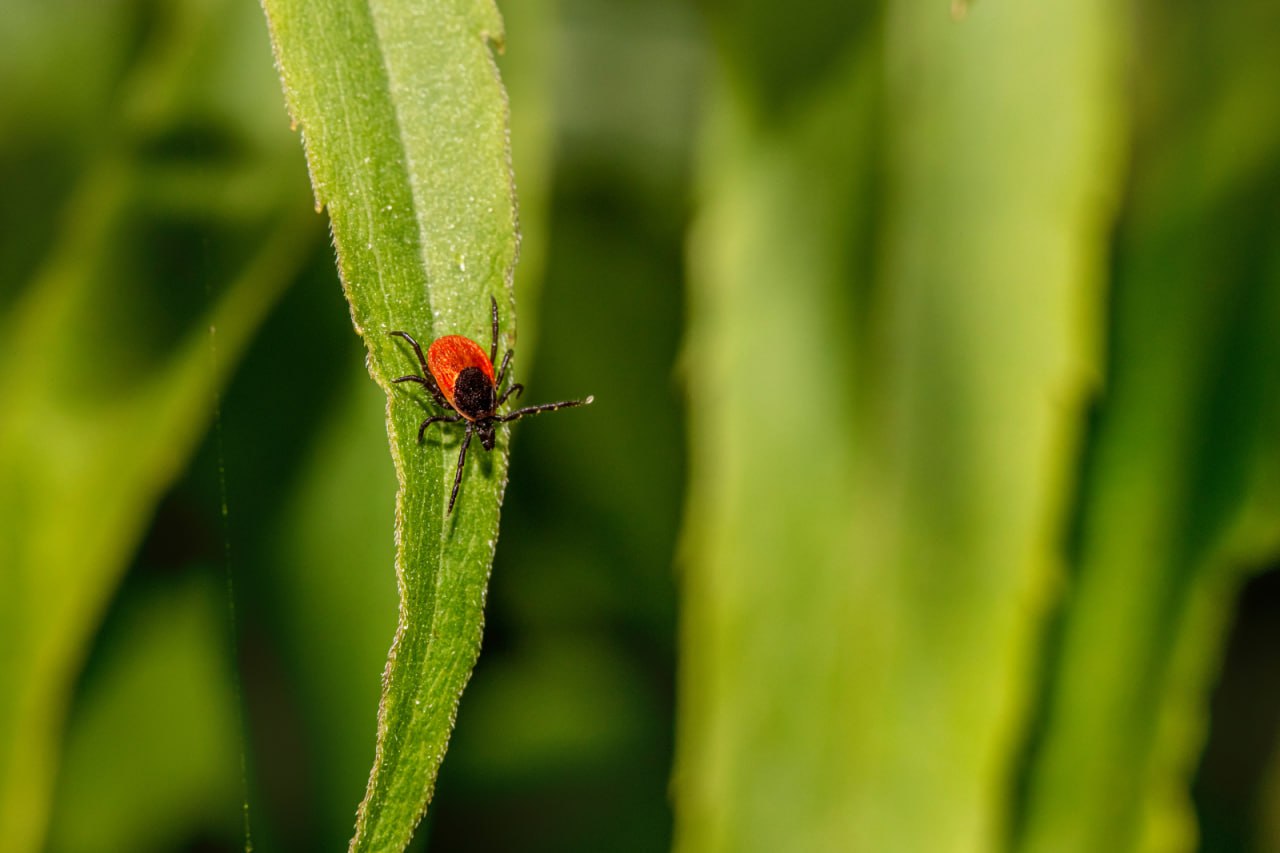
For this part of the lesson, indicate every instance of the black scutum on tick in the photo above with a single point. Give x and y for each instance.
(473, 394)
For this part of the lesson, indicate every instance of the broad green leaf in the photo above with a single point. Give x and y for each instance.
(166, 259)
(895, 274)
(404, 122)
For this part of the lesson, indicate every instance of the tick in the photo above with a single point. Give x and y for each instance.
(459, 376)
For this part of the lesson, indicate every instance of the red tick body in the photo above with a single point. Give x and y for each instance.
(464, 375)
(459, 376)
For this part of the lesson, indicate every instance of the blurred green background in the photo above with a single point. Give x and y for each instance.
(972, 324)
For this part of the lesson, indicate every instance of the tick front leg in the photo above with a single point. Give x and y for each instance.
(502, 371)
(430, 385)
(446, 419)
(493, 347)
(516, 388)
(425, 380)
(422, 359)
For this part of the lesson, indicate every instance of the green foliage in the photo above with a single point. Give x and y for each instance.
(113, 350)
(982, 385)
(405, 128)
(907, 253)
(1179, 494)
(921, 305)
(162, 673)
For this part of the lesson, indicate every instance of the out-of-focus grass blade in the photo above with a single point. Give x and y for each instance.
(404, 121)
(159, 707)
(1179, 501)
(107, 366)
(527, 73)
(79, 476)
(1182, 484)
(895, 271)
(331, 554)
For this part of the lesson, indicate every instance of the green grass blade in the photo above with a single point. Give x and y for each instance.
(404, 122)
(527, 71)
(74, 508)
(164, 685)
(900, 250)
(333, 519)
(1178, 504)
(108, 369)
(1180, 491)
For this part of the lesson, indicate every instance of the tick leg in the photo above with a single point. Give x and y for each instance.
(447, 419)
(493, 347)
(422, 360)
(545, 407)
(425, 380)
(502, 371)
(457, 478)
(516, 388)
(430, 385)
